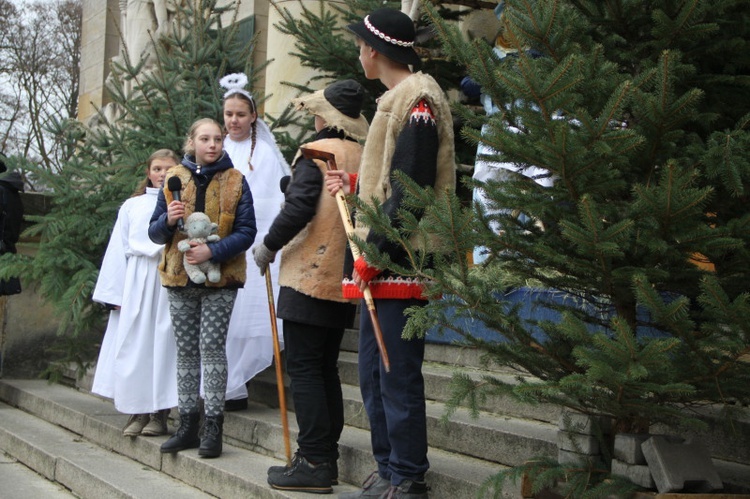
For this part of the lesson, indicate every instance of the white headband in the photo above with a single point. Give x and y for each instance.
(235, 84)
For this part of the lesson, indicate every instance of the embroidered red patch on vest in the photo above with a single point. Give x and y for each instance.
(422, 113)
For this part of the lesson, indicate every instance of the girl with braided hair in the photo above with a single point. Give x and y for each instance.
(253, 150)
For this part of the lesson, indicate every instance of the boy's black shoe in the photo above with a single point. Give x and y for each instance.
(407, 490)
(297, 455)
(303, 476)
(374, 486)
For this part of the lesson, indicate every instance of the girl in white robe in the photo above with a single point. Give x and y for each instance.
(137, 362)
(253, 151)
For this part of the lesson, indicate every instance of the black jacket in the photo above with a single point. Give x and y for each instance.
(11, 217)
(11, 210)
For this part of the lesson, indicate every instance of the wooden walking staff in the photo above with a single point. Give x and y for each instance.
(330, 160)
(279, 373)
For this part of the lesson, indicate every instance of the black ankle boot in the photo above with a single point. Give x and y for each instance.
(213, 427)
(186, 436)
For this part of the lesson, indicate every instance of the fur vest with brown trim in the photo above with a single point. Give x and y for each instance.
(222, 197)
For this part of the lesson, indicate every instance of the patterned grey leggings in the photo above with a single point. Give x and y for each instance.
(200, 318)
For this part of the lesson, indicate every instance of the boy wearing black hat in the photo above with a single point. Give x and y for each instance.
(412, 133)
(310, 302)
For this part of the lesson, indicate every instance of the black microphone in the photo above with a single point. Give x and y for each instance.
(174, 184)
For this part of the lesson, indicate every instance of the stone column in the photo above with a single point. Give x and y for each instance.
(99, 44)
(285, 67)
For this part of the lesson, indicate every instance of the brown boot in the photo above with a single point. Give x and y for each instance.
(157, 424)
(135, 424)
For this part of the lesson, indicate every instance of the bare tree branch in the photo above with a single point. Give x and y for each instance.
(40, 53)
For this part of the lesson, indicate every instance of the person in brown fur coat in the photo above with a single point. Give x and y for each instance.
(311, 304)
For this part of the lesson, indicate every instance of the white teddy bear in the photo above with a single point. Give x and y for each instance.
(200, 229)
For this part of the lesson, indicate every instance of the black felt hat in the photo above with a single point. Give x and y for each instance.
(390, 32)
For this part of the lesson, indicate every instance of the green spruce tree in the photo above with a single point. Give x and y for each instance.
(635, 260)
(323, 43)
(177, 85)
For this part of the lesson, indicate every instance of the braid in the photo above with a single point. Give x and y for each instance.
(253, 135)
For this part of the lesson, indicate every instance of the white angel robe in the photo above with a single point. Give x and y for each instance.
(249, 338)
(497, 170)
(137, 365)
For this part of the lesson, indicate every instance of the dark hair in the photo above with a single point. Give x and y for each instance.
(241, 96)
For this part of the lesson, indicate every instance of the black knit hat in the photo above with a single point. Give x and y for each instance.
(340, 105)
(391, 33)
(347, 96)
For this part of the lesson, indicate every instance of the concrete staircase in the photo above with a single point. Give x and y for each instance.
(74, 438)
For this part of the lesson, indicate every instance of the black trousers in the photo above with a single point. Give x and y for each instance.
(312, 354)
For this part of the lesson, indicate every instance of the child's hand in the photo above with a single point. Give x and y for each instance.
(337, 180)
(263, 256)
(361, 283)
(198, 253)
(175, 211)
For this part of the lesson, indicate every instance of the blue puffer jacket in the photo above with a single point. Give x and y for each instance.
(243, 230)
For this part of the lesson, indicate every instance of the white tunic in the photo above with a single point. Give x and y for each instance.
(249, 339)
(485, 170)
(137, 364)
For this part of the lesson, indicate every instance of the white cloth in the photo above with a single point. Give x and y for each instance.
(137, 364)
(249, 339)
(497, 170)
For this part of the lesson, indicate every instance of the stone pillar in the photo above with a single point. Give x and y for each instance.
(99, 44)
(260, 53)
(285, 67)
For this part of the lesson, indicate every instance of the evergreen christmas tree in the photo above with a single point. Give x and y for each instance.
(323, 43)
(166, 93)
(618, 210)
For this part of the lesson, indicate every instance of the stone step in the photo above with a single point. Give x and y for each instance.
(502, 439)
(437, 377)
(506, 433)
(728, 441)
(253, 442)
(76, 440)
(511, 433)
(82, 467)
(21, 482)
